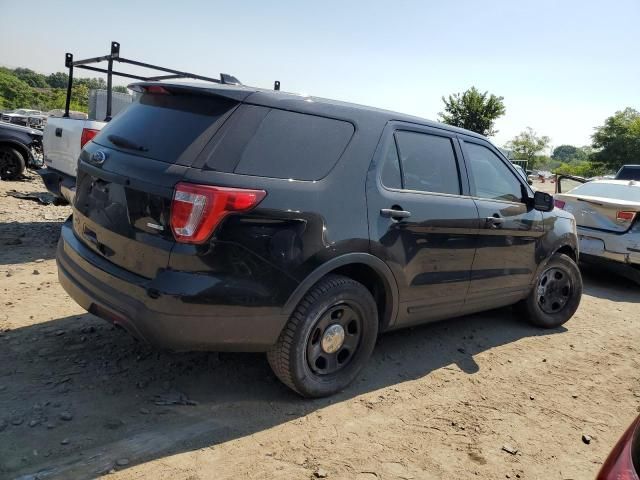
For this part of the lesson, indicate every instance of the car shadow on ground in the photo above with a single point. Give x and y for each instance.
(77, 395)
(22, 242)
(603, 283)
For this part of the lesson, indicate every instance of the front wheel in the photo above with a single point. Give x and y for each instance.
(556, 294)
(12, 163)
(328, 339)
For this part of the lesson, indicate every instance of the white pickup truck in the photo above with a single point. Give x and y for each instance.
(64, 137)
(63, 140)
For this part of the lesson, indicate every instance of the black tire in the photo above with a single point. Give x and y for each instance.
(12, 163)
(556, 294)
(300, 360)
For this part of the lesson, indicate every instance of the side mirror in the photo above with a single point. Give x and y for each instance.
(542, 201)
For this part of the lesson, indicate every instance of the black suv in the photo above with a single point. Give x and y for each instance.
(233, 218)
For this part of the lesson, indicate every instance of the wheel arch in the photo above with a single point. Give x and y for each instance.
(20, 147)
(365, 268)
(569, 250)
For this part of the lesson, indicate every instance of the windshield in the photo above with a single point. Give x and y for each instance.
(619, 191)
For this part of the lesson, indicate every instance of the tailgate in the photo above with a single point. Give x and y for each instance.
(127, 174)
(122, 208)
(61, 142)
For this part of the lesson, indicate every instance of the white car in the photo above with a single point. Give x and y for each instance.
(24, 117)
(607, 214)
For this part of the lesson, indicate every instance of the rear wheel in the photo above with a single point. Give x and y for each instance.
(11, 163)
(556, 294)
(328, 339)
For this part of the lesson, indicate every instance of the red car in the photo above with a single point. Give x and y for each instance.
(624, 460)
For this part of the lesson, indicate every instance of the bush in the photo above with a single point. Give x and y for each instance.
(24, 88)
(583, 169)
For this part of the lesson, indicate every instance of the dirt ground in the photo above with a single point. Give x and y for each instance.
(79, 399)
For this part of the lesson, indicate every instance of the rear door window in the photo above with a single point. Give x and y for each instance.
(428, 163)
(279, 144)
(169, 128)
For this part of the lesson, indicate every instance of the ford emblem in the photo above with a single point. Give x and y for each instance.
(98, 158)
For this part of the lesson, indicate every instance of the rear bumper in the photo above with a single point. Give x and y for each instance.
(612, 247)
(59, 184)
(627, 270)
(162, 311)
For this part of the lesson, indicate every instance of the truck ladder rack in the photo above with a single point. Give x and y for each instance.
(70, 63)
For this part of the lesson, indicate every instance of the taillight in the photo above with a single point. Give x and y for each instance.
(559, 203)
(624, 216)
(87, 136)
(196, 210)
(619, 465)
(157, 89)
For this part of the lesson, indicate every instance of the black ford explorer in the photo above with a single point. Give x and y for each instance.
(232, 218)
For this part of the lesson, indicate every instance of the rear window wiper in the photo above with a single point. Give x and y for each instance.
(124, 143)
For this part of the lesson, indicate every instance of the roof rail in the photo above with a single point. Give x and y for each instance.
(70, 63)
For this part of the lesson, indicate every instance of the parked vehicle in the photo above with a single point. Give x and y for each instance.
(232, 218)
(606, 212)
(38, 120)
(22, 116)
(66, 133)
(623, 463)
(628, 172)
(19, 147)
(63, 141)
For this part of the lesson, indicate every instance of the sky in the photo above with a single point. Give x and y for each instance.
(561, 66)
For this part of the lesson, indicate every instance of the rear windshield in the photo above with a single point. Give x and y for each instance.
(279, 144)
(629, 193)
(165, 127)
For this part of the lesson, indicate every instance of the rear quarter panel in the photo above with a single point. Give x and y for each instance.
(298, 227)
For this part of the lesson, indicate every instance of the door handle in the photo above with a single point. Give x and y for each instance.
(493, 222)
(394, 213)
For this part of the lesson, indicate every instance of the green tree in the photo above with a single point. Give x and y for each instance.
(91, 83)
(473, 110)
(120, 89)
(571, 154)
(618, 140)
(14, 93)
(58, 80)
(527, 145)
(31, 78)
(564, 152)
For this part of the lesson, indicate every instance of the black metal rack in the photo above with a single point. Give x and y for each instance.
(115, 56)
